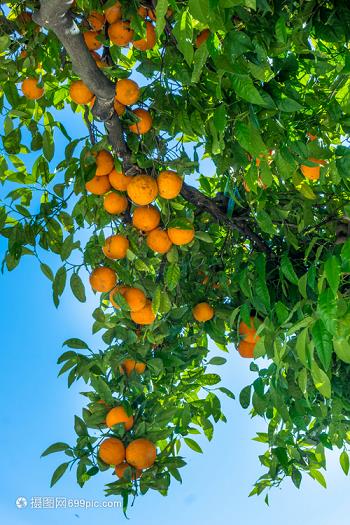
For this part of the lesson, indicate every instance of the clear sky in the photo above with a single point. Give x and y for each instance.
(37, 409)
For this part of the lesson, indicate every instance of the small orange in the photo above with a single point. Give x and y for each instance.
(118, 415)
(114, 13)
(142, 189)
(203, 312)
(312, 172)
(120, 33)
(112, 451)
(127, 91)
(135, 298)
(117, 289)
(143, 44)
(130, 365)
(144, 123)
(103, 279)
(118, 180)
(23, 53)
(80, 93)
(158, 241)
(169, 184)
(31, 90)
(121, 468)
(98, 185)
(91, 40)
(115, 247)
(96, 20)
(246, 349)
(248, 332)
(146, 218)
(142, 12)
(144, 316)
(104, 162)
(114, 203)
(180, 237)
(141, 453)
(202, 37)
(119, 107)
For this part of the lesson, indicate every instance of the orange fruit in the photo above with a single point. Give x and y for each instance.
(80, 93)
(118, 180)
(146, 218)
(103, 279)
(117, 289)
(145, 315)
(202, 37)
(144, 123)
(98, 185)
(158, 240)
(130, 365)
(120, 33)
(127, 91)
(311, 137)
(248, 332)
(23, 53)
(169, 184)
(119, 108)
(31, 90)
(115, 247)
(179, 236)
(96, 20)
(113, 13)
(312, 172)
(149, 42)
(118, 415)
(112, 451)
(121, 468)
(135, 298)
(142, 189)
(91, 41)
(114, 203)
(246, 349)
(141, 453)
(142, 12)
(104, 162)
(203, 312)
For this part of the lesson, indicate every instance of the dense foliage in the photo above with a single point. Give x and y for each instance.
(265, 93)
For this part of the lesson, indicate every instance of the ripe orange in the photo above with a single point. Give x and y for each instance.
(96, 20)
(141, 453)
(112, 451)
(130, 365)
(146, 218)
(135, 298)
(248, 332)
(127, 91)
(118, 180)
(98, 185)
(311, 137)
(117, 289)
(149, 42)
(202, 37)
(118, 107)
(142, 189)
(312, 172)
(120, 33)
(116, 247)
(145, 315)
(115, 204)
(104, 163)
(91, 40)
(203, 312)
(179, 236)
(144, 123)
(31, 90)
(246, 349)
(169, 184)
(121, 468)
(158, 240)
(80, 93)
(118, 415)
(113, 13)
(23, 53)
(142, 12)
(103, 279)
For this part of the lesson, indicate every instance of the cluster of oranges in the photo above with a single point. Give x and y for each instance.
(137, 456)
(249, 338)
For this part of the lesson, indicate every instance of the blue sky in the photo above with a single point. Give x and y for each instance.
(38, 409)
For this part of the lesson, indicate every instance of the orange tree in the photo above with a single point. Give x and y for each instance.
(256, 256)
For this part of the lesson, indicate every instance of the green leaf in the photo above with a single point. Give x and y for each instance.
(172, 276)
(74, 342)
(199, 60)
(58, 473)
(220, 119)
(332, 270)
(318, 476)
(79, 426)
(288, 105)
(183, 32)
(56, 447)
(161, 9)
(77, 287)
(4, 43)
(203, 236)
(344, 462)
(321, 381)
(48, 145)
(323, 343)
(217, 361)
(288, 270)
(244, 396)
(250, 139)
(265, 222)
(46, 271)
(342, 348)
(228, 392)
(102, 389)
(245, 89)
(193, 445)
